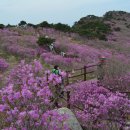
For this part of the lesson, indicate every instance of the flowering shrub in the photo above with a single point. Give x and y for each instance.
(118, 82)
(7, 32)
(25, 101)
(97, 107)
(24, 46)
(61, 61)
(3, 64)
(117, 75)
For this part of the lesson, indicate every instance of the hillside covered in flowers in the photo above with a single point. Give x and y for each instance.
(27, 94)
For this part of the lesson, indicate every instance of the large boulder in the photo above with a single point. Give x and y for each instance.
(128, 127)
(72, 120)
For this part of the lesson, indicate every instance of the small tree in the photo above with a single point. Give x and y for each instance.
(9, 26)
(22, 23)
(31, 25)
(44, 24)
(2, 26)
(62, 27)
(43, 41)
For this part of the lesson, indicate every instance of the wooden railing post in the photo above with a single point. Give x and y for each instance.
(47, 76)
(99, 74)
(85, 78)
(68, 99)
(101, 71)
(68, 92)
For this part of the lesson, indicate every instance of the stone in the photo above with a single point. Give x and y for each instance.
(72, 121)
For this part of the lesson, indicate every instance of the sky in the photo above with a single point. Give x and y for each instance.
(54, 11)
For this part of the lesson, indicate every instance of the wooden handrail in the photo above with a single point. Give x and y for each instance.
(82, 68)
(81, 74)
(76, 76)
(91, 66)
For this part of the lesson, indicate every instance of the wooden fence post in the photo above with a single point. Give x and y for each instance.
(100, 74)
(68, 92)
(101, 71)
(85, 78)
(68, 99)
(47, 75)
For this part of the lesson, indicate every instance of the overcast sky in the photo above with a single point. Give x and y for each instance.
(54, 11)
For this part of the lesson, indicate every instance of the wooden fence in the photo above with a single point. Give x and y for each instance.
(83, 74)
(80, 74)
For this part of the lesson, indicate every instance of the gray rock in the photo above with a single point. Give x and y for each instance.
(127, 128)
(72, 120)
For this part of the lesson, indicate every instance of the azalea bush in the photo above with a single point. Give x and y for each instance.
(117, 75)
(19, 46)
(26, 100)
(63, 62)
(7, 32)
(98, 108)
(3, 64)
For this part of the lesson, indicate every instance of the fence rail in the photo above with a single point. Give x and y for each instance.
(82, 74)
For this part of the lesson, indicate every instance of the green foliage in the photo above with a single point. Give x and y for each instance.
(87, 19)
(31, 25)
(108, 15)
(9, 26)
(122, 12)
(22, 23)
(62, 27)
(58, 26)
(117, 15)
(93, 17)
(93, 29)
(43, 41)
(2, 26)
(44, 24)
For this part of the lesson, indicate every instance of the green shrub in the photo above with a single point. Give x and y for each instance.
(43, 41)
(44, 24)
(9, 26)
(62, 27)
(108, 15)
(31, 25)
(2, 26)
(22, 23)
(93, 29)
